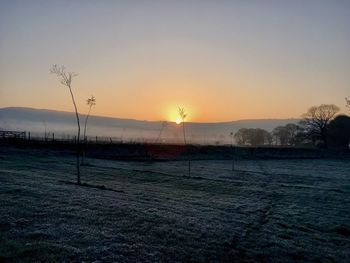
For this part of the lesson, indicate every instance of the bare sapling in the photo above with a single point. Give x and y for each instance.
(90, 102)
(183, 116)
(164, 125)
(65, 79)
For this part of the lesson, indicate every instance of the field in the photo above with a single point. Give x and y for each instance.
(264, 211)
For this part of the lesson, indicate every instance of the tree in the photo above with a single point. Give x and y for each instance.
(183, 116)
(339, 131)
(315, 121)
(260, 137)
(347, 103)
(241, 136)
(293, 130)
(285, 135)
(65, 79)
(281, 135)
(253, 137)
(90, 102)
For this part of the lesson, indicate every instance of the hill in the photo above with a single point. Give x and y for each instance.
(41, 121)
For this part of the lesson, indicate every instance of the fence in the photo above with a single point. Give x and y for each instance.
(12, 134)
(50, 137)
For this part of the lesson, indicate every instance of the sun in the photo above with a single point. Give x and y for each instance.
(172, 113)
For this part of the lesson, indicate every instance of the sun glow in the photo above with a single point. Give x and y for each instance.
(172, 113)
(174, 116)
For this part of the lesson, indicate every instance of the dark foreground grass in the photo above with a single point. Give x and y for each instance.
(267, 211)
(35, 251)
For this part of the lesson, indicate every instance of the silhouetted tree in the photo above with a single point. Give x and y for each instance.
(183, 116)
(90, 102)
(347, 103)
(260, 137)
(339, 131)
(285, 135)
(65, 79)
(253, 137)
(315, 122)
(242, 136)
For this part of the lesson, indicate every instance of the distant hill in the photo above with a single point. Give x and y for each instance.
(39, 121)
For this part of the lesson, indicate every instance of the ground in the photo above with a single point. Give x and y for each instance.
(264, 211)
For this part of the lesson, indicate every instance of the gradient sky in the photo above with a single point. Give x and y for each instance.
(221, 60)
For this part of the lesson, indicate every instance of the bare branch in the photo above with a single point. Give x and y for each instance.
(65, 79)
(182, 114)
(91, 101)
(316, 120)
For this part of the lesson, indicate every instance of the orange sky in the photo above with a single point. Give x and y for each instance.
(221, 61)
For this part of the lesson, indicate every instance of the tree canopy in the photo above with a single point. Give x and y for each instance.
(315, 122)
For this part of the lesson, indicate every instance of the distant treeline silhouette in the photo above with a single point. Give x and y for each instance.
(319, 127)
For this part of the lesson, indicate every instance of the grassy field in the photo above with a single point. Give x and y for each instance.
(265, 211)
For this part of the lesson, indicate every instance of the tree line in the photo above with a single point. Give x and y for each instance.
(320, 126)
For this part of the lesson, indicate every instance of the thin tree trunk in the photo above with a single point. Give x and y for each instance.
(86, 119)
(84, 136)
(189, 158)
(78, 137)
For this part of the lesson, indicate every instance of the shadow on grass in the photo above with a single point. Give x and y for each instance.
(100, 187)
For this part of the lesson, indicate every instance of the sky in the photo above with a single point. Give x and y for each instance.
(220, 60)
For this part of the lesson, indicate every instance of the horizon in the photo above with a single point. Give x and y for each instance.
(40, 122)
(121, 118)
(221, 61)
